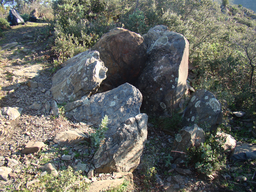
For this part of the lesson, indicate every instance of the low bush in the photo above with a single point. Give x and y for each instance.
(4, 24)
(209, 156)
(25, 17)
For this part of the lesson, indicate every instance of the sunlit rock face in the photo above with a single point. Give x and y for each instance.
(205, 110)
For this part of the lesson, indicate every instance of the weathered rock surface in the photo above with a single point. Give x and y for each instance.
(11, 112)
(204, 110)
(163, 81)
(187, 137)
(244, 152)
(118, 104)
(122, 150)
(124, 54)
(81, 76)
(32, 147)
(70, 137)
(4, 172)
(228, 143)
(50, 168)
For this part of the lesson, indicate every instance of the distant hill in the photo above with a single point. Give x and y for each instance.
(249, 4)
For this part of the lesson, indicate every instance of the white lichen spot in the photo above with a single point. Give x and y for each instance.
(163, 105)
(188, 119)
(115, 97)
(190, 112)
(161, 67)
(210, 117)
(197, 104)
(86, 101)
(193, 99)
(176, 79)
(193, 118)
(85, 79)
(161, 89)
(173, 86)
(178, 138)
(155, 78)
(172, 75)
(215, 105)
(206, 97)
(122, 109)
(112, 103)
(171, 81)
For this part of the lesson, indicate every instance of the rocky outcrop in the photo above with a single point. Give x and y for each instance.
(81, 76)
(118, 104)
(124, 54)
(121, 151)
(163, 81)
(204, 110)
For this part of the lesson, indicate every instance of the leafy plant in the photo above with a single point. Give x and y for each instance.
(25, 17)
(4, 24)
(99, 136)
(209, 156)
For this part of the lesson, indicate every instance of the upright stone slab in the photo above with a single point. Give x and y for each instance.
(80, 76)
(205, 110)
(124, 54)
(118, 104)
(123, 148)
(163, 80)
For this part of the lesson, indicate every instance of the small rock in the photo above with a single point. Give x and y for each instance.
(33, 147)
(55, 110)
(178, 179)
(241, 178)
(50, 169)
(70, 137)
(66, 157)
(10, 45)
(43, 173)
(81, 167)
(169, 179)
(90, 173)
(4, 172)
(12, 162)
(12, 112)
(239, 113)
(32, 182)
(2, 160)
(35, 106)
(32, 84)
(183, 171)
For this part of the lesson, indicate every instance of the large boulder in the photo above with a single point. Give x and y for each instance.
(122, 150)
(124, 54)
(205, 110)
(163, 81)
(81, 75)
(118, 104)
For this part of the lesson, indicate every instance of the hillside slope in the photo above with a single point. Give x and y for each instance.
(249, 4)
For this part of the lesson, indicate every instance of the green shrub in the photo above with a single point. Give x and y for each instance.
(209, 156)
(135, 22)
(4, 24)
(99, 135)
(25, 17)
